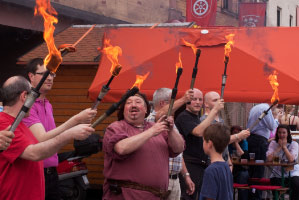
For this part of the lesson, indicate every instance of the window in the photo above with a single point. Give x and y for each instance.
(291, 20)
(225, 4)
(278, 16)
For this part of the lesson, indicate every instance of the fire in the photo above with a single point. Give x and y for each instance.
(154, 26)
(179, 64)
(188, 44)
(274, 84)
(44, 9)
(139, 80)
(112, 53)
(227, 47)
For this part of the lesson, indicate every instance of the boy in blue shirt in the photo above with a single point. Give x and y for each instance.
(217, 180)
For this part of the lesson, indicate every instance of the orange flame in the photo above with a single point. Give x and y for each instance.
(44, 9)
(227, 48)
(179, 64)
(188, 44)
(112, 53)
(154, 26)
(274, 84)
(139, 80)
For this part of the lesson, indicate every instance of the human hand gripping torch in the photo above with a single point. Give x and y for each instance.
(112, 53)
(179, 71)
(135, 88)
(274, 100)
(227, 50)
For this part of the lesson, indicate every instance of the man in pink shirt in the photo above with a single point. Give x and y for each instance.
(41, 122)
(21, 169)
(137, 152)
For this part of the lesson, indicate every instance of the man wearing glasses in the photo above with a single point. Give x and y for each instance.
(42, 125)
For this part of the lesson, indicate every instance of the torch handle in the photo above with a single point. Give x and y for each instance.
(114, 106)
(41, 82)
(32, 96)
(18, 120)
(198, 51)
(226, 59)
(110, 80)
(224, 76)
(64, 52)
(103, 92)
(173, 95)
(179, 73)
(192, 83)
(170, 107)
(99, 120)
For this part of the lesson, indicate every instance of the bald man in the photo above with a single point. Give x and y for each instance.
(189, 125)
(210, 100)
(21, 169)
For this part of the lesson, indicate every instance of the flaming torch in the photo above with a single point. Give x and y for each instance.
(227, 50)
(197, 52)
(274, 84)
(274, 100)
(139, 80)
(135, 88)
(52, 61)
(179, 71)
(112, 53)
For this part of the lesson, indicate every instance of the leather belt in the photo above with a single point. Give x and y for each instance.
(163, 194)
(173, 176)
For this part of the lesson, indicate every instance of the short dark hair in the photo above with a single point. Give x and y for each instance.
(120, 114)
(10, 93)
(289, 137)
(32, 66)
(219, 134)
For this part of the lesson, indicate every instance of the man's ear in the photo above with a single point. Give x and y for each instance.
(23, 96)
(30, 75)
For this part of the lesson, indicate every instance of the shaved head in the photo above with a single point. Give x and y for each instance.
(210, 99)
(196, 103)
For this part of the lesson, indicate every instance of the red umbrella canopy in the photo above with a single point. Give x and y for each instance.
(255, 54)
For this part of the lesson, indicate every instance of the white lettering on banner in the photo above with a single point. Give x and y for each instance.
(200, 7)
(250, 20)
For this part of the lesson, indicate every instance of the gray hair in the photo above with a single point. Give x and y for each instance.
(161, 94)
(12, 88)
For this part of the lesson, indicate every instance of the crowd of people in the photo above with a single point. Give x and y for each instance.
(149, 153)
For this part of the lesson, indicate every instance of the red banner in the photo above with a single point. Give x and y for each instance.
(203, 12)
(252, 14)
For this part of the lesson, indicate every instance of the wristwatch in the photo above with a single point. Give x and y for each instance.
(186, 174)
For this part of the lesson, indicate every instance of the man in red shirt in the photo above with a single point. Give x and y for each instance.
(21, 169)
(137, 153)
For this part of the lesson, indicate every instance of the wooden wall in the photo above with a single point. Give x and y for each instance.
(69, 97)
